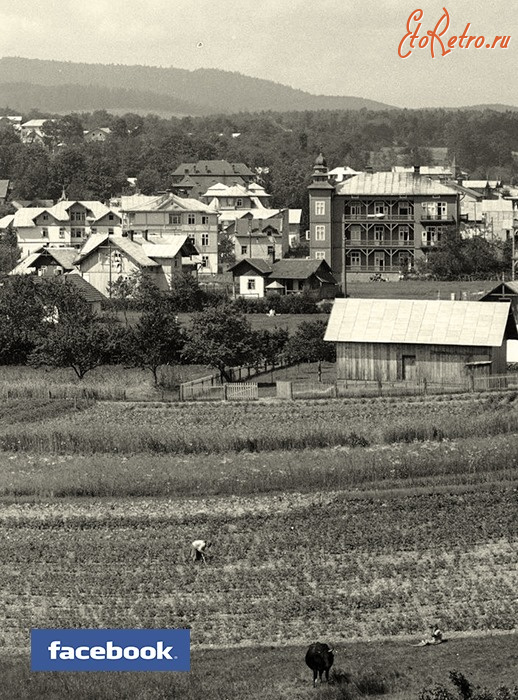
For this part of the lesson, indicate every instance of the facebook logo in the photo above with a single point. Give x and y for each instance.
(110, 650)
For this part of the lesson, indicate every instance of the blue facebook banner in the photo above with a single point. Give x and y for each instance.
(110, 650)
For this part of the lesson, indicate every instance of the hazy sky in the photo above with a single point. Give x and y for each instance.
(336, 47)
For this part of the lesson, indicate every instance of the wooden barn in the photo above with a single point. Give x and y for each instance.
(414, 340)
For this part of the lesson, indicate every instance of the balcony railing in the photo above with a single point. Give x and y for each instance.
(388, 217)
(445, 218)
(375, 268)
(357, 243)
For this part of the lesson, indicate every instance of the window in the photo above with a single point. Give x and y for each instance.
(45, 232)
(355, 259)
(250, 284)
(354, 210)
(239, 202)
(205, 220)
(110, 231)
(404, 209)
(111, 217)
(320, 255)
(244, 250)
(205, 239)
(191, 219)
(271, 250)
(442, 210)
(45, 217)
(380, 208)
(62, 232)
(379, 233)
(379, 261)
(93, 230)
(356, 233)
(320, 207)
(431, 235)
(435, 210)
(320, 233)
(404, 234)
(175, 219)
(204, 260)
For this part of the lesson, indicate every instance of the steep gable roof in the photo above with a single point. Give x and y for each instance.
(420, 322)
(301, 269)
(132, 249)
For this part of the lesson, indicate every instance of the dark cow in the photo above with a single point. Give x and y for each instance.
(319, 658)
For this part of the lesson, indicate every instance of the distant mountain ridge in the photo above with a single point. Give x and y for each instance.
(203, 91)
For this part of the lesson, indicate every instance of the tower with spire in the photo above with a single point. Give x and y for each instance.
(320, 213)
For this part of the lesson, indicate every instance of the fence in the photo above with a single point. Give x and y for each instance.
(199, 387)
(353, 388)
(206, 390)
(237, 374)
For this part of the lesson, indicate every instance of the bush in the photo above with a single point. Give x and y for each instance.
(465, 691)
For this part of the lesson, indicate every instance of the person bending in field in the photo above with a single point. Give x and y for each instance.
(199, 550)
(434, 637)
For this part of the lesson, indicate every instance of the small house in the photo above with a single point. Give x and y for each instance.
(257, 277)
(414, 340)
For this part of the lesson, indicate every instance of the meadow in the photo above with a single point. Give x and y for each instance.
(357, 522)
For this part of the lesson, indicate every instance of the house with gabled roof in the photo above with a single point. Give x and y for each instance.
(104, 259)
(258, 278)
(416, 340)
(65, 224)
(193, 179)
(161, 218)
(47, 262)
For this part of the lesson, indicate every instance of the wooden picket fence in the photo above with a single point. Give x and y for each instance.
(206, 390)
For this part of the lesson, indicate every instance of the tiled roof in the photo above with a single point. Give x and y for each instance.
(392, 184)
(297, 268)
(87, 291)
(418, 322)
(213, 167)
(259, 264)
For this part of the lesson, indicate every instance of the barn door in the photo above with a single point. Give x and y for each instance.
(409, 372)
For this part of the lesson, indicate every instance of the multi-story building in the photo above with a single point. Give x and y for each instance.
(379, 222)
(233, 197)
(194, 179)
(263, 235)
(63, 225)
(163, 217)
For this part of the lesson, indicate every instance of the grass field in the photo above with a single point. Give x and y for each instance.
(316, 537)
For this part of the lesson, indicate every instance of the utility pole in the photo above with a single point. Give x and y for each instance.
(344, 263)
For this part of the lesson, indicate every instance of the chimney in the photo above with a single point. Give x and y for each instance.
(131, 233)
(417, 169)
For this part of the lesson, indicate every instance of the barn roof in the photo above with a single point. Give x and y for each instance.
(420, 321)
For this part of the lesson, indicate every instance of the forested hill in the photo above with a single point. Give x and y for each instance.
(149, 88)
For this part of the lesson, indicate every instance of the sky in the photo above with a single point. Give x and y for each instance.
(332, 47)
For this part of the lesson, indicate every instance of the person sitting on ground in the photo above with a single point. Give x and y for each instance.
(198, 550)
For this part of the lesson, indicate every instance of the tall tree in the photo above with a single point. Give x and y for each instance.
(220, 338)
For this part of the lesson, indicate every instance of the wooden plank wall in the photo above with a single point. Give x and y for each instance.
(435, 363)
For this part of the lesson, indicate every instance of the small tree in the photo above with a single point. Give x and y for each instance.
(308, 345)
(185, 294)
(21, 314)
(272, 344)
(221, 338)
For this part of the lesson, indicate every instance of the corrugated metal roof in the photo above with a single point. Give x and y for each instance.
(418, 322)
(392, 184)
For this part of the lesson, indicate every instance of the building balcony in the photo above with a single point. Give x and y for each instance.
(441, 218)
(389, 218)
(355, 243)
(376, 268)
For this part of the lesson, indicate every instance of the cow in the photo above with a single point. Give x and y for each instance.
(319, 658)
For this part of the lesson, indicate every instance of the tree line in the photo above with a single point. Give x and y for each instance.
(44, 322)
(282, 145)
